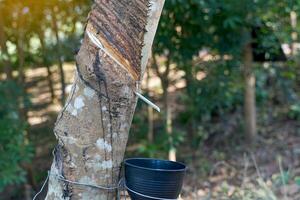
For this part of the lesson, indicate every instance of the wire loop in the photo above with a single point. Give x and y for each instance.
(119, 187)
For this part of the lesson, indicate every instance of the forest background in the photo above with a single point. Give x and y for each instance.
(225, 74)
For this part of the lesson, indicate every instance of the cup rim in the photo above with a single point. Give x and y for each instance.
(152, 169)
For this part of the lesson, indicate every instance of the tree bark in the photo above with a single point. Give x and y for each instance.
(249, 96)
(59, 57)
(92, 129)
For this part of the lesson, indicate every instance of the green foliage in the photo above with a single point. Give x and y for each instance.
(35, 18)
(297, 180)
(220, 91)
(219, 28)
(14, 149)
(294, 111)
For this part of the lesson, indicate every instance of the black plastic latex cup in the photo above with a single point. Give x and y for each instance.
(159, 179)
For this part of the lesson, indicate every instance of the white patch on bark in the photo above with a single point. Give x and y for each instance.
(70, 108)
(55, 189)
(107, 164)
(74, 112)
(126, 90)
(88, 92)
(103, 145)
(115, 135)
(98, 165)
(79, 102)
(73, 165)
(76, 88)
(71, 140)
(104, 108)
(97, 157)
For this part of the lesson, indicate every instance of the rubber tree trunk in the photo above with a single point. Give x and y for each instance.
(92, 129)
(49, 73)
(249, 96)
(59, 57)
(6, 62)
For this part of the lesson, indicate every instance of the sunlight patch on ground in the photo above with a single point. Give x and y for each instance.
(36, 120)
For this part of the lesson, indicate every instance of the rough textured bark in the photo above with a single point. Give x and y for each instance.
(249, 97)
(92, 129)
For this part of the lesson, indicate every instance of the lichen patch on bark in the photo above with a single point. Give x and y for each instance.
(88, 92)
(103, 145)
(79, 102)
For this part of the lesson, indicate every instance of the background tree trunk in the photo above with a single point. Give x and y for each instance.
(59, 57)
(249, 96)
(45, 60)
(92, 129)
(6, 62)
(169, 128)
(294, 35)
(165, 83)
(20, 49)
(150, 134)
(21, 64)
(21, 59)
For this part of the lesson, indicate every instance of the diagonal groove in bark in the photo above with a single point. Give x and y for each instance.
(92, 129)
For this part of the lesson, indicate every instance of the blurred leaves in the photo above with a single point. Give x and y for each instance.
(14, 149)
